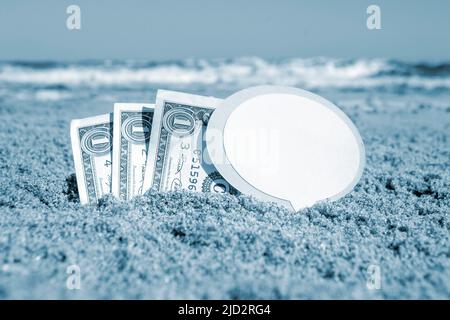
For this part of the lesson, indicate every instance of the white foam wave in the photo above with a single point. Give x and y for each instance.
(39, 95)
(308, 73)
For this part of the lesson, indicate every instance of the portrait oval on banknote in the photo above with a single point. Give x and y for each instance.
(96, 141)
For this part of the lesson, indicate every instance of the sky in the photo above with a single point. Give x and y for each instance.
(415, 30)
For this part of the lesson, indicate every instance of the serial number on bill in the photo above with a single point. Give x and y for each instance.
(226, 310)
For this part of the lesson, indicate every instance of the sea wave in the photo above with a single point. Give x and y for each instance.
(307, 73)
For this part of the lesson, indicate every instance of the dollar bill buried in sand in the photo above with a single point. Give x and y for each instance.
(132, 126)
(176, 157)
(92, 150)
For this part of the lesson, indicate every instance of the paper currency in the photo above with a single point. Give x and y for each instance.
(176, 152)
(92, 149)
(132, 126)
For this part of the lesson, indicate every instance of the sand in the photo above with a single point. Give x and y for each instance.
(184, 245)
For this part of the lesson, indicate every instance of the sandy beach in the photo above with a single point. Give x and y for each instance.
(205, 246)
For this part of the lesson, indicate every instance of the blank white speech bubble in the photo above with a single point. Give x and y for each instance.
(285, 145)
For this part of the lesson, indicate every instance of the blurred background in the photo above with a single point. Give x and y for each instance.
(136, 45)
(165, 30)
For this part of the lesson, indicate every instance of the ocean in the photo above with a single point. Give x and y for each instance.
(184, 245)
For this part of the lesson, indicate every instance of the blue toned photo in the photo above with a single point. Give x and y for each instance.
(135, 163)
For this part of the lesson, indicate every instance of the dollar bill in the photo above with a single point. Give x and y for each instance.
(92, 150)
(132, 126)
(177, 149)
